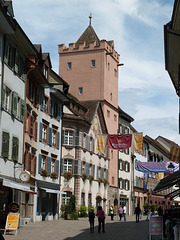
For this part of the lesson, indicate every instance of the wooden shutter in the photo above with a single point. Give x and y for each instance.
(93, 145)
(4, 96)
(58, 140)
(39, 163)
(49, 165)
(75, 166)
(62, 166)
(5, 144)
(40, 131)
(15, 147)
(41, 101)
(102, 173)
(59, 112)
(118, 164)
(82, 140)
(50, 136)
(88, 142)
(50, 107)
(118, 182)
(14, 103)
(22, 110)
(93, 170)
(57, 167)
(97, 172)
(87, 169)
(63, 132)
(77, 137)
(107, 174)
(31, 126)
(35, 134)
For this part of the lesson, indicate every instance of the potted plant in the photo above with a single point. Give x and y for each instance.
(84, 176)
(100, 180)
(69, 210)
(54, 175)
(44, 172)
(106, 182)
(67, 175)
(91, 178)
(82, 211)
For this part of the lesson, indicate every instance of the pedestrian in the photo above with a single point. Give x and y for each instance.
(137, 212)
(148, 214)
(120, 211)
(101, 219)
(91, 220)
(112, 212)
(124, 212)
(160, 211)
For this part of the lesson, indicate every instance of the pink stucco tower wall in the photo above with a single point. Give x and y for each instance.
(94, 82)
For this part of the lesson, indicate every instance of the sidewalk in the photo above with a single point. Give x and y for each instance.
(70, 229)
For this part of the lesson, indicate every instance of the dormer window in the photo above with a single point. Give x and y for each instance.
(46, 71)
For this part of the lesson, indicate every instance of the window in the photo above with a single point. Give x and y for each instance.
(43, 162)
(45, 104)
(66, 197)
(80, 91)
(54, 137)
(89, 199)
(69, 65)
(93, 63)
(68, 165)
(44, 133)
(7, 98)
(120, 164)
(115, 72)
(68, 137)
(126, 185)
(120, 183)
(115, 117)
(15, 148)
(108, 66)
(108, 113)
(5, 144)
(83, 140)
(46, 71)
(91, 144)
(53, 163)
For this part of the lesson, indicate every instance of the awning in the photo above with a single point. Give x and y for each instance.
(168, 182)
(16, 185)
(52, 190)
(173, 194)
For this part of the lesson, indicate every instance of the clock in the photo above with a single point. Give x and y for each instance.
(25, 176)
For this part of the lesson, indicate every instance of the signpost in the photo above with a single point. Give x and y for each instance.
(156, 226)
(12, 220)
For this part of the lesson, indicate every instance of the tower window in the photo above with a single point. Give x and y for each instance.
(108, 113)
(93, 63)
(80, 91)
(69, 65)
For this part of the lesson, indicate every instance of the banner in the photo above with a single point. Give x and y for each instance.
(138, 142)
(174, 154)
(146, 176)
(119, 141)
(157, 167)
(101, 144)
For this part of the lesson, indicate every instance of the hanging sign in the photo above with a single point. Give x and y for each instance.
(119, 142)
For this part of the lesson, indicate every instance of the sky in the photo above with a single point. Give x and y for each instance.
(145, 90)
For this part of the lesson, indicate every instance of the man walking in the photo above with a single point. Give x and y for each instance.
(124, 212)
(101, 219)
(137, 212)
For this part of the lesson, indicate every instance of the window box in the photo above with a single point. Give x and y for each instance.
(44, 172)
(91, 178)
(67, 175)
(106, 182)
(100, 180)
(54, 175)
(84, 176)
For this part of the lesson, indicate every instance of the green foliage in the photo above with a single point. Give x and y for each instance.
(89, 208)
(70, 208)
(82, 210)
(153, 207)
(146, 206)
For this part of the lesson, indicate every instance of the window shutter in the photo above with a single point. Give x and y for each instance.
(93, 170)
(97, 172)
(5, 144)
(15, 147)
(50, 107)
(4, 96)
(39, 163)
(58, 138)
(77, 137)
(49, 165)
(53, 106)
(36, 126)
(128, 167)
(41, 101)
(88, 142)
(82, 140)
(16, 65)
(107, 174)
(40, 132)
(31, 126)
(123, 166)
(22, 110)
(62, 166)
(102, 173)
(123, 184)
(75, 166)
(118, 182)
(6, 53)
(63, 132)
(23, 70)
(118, 164)
(59, 112)
(14, 103)
(128, 185)
(87, 169)
(93, 145)
(57, 167)
(50, 136)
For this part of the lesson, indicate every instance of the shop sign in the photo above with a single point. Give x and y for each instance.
(155, 226)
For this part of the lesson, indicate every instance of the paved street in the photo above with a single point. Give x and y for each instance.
(69, 229)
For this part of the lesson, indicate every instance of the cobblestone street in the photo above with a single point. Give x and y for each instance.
(70, 229)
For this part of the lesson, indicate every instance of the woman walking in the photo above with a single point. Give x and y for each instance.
(120, 211)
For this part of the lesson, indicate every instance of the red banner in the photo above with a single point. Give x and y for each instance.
(119, 141)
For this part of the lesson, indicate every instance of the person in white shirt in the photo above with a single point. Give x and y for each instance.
(124, 212)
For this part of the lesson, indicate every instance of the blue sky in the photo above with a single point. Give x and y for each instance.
(145, 90)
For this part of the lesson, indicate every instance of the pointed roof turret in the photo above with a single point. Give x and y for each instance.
(89, 35)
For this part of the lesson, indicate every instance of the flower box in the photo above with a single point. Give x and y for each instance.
(44, 172)
(67, 175)
(84, 176)
(54, 175)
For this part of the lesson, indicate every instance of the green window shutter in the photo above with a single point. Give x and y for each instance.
(88, 142)
(75, 166)
(15, 148)
(57, 167)
(93, 170)
(4, 96)
(16, 64)
(62, 166)
(39, 163)
(6, 53)
(5, 144)
(77, 137)
(14, 103)
(22, 110)
(49, 165)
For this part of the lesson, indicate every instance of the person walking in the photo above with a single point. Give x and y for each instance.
(112, 212)
(101, 219)
(137, 212)
(120, 211)
(124, 212)
(91, 220)
(148, 213)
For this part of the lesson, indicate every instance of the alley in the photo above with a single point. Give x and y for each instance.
(70, 229)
